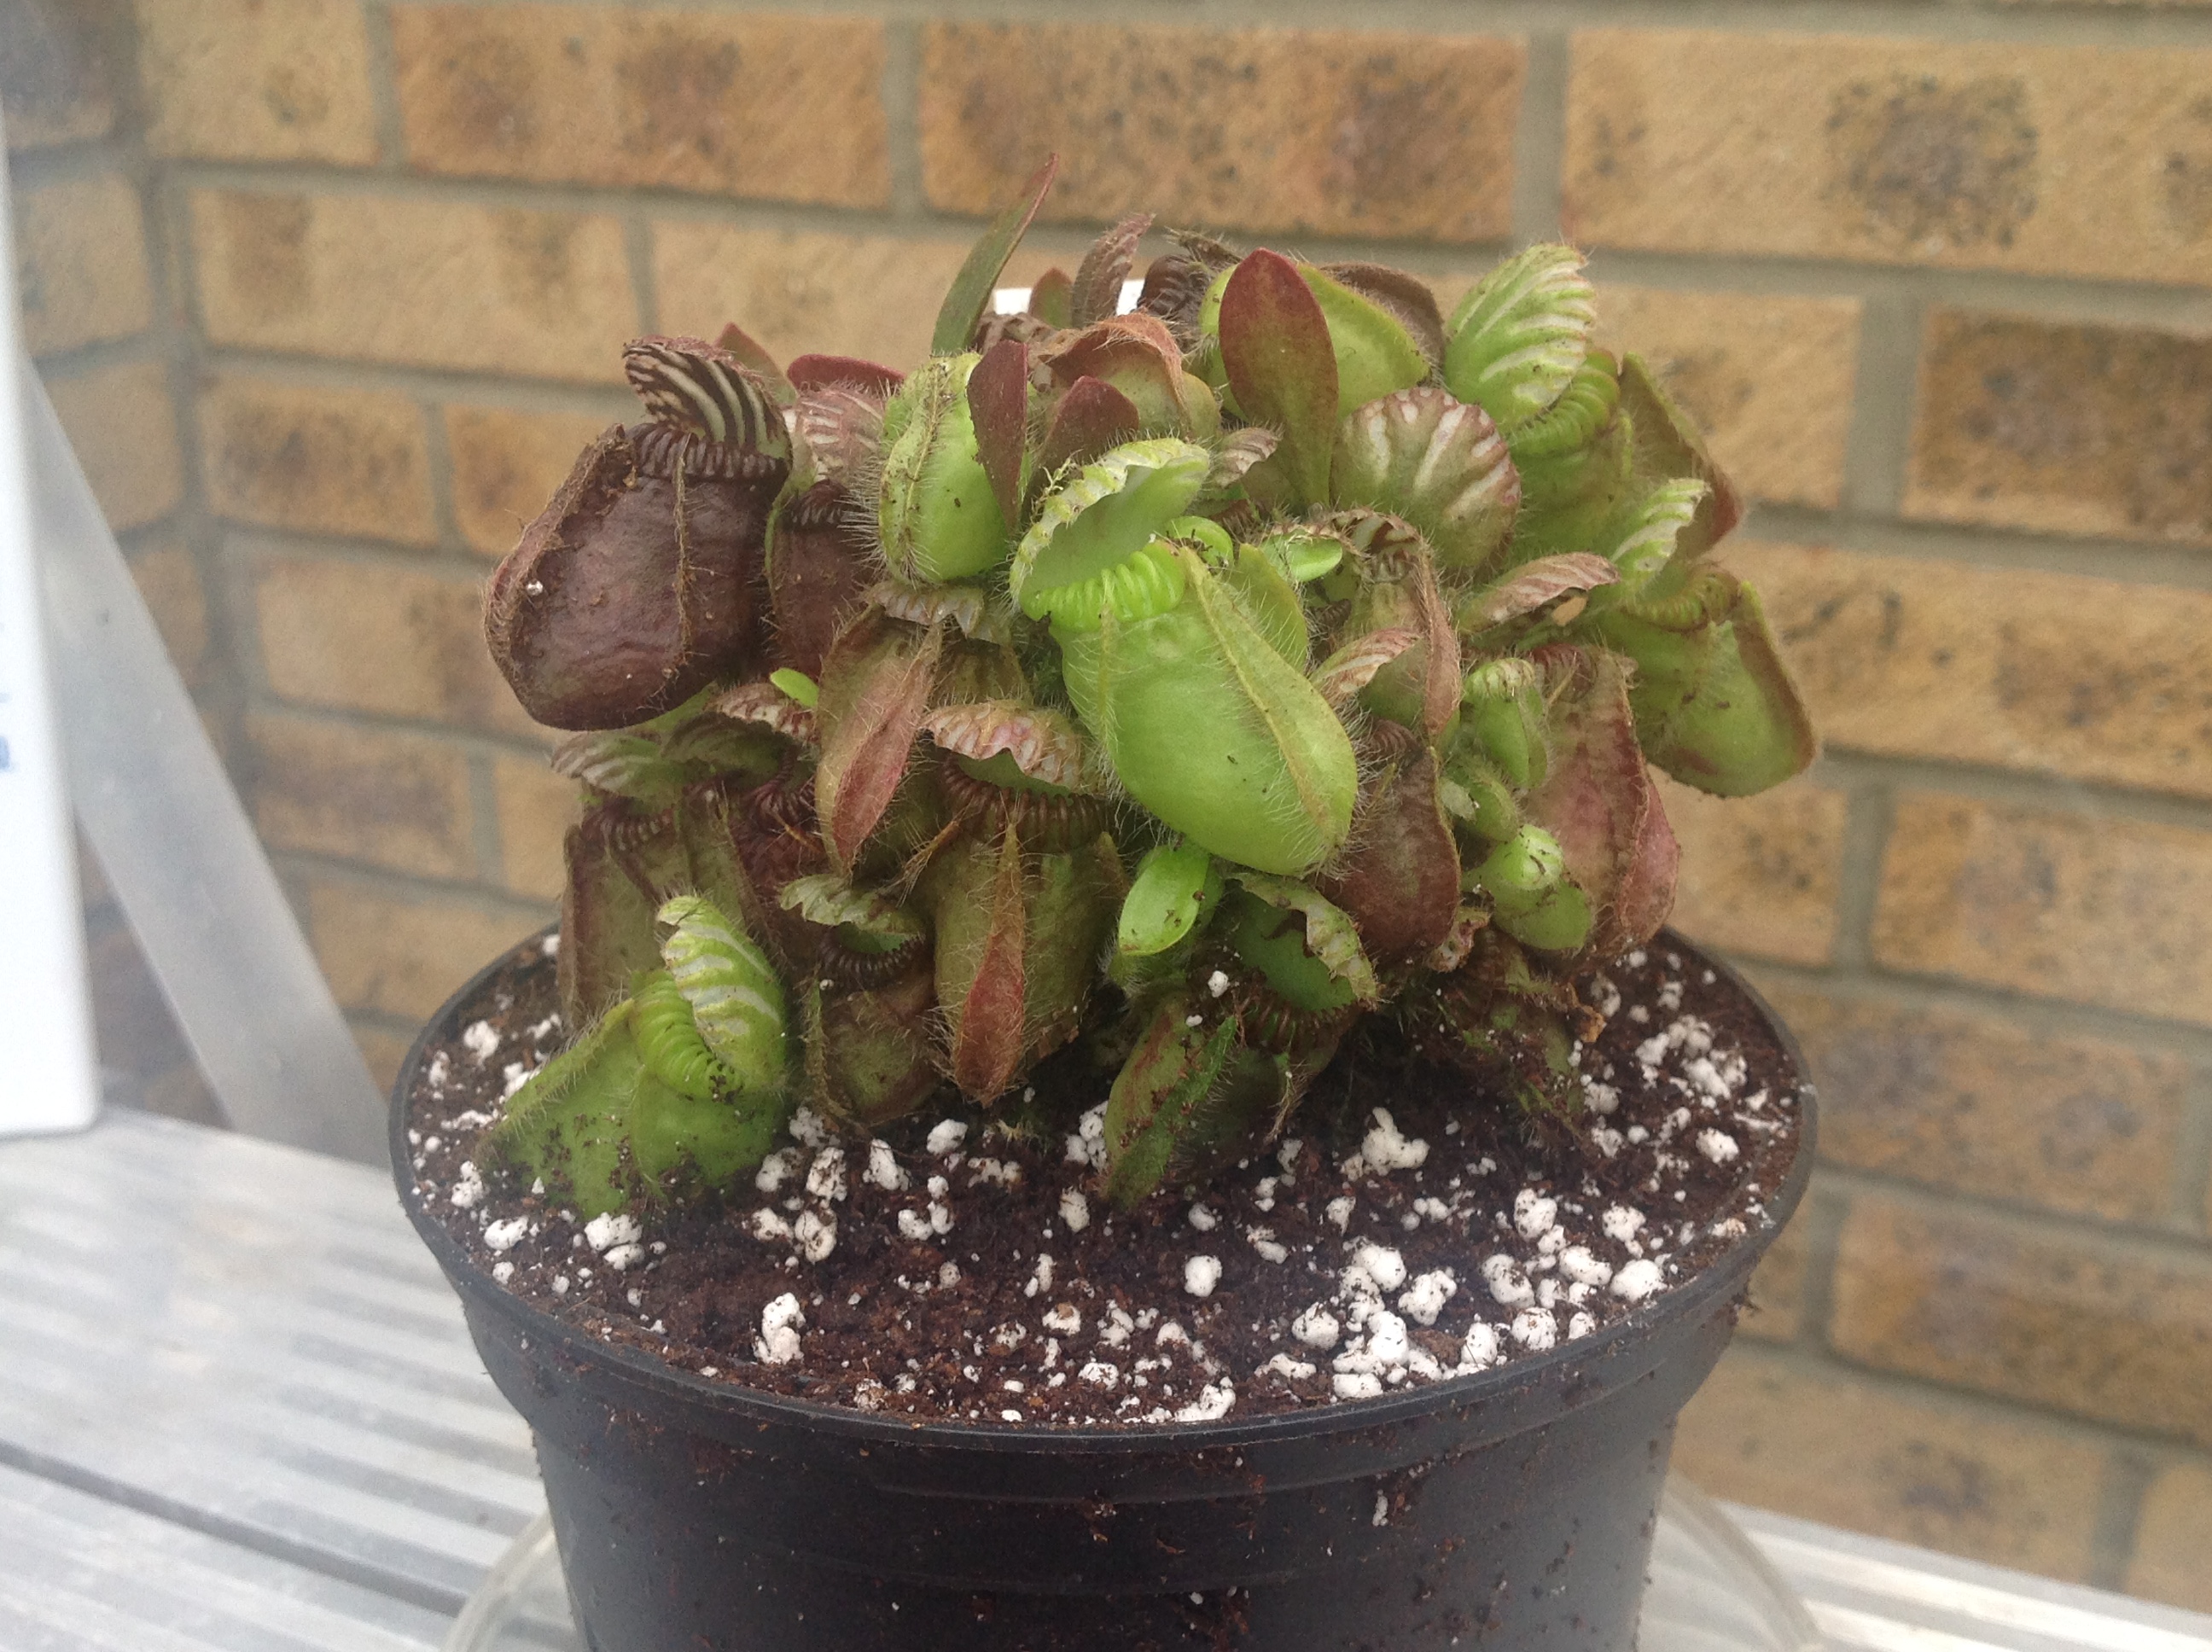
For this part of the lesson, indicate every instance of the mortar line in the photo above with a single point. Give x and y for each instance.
(445, 515)
(2143, 1243)
(1867, 824)
(644, 279)
(1877, 450)
(394, 884)
(2191, 1211)
(486, 840)
(1944, 1397)
(489, 744)
(901, 91)
(2053, 1017)
(2127, 1476)
(2131, 27)
(383, 86)
(1540, 136)
(2048, 793)
(1823, 1217)
(2122, 562)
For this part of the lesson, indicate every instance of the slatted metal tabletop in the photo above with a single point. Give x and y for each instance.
(239, 1411)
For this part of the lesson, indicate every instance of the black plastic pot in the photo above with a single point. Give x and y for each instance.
(1511, 1510)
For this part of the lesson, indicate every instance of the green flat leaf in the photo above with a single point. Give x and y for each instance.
(969, 297)
(1331, 936)
(1176, 889)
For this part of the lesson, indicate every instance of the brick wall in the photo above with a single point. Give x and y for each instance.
(329, 291)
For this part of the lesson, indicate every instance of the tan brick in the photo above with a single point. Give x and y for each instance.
(872, 297)
(2064, 427)
(2055, 673)
(398, 643)
(507, 465)
(770, 107)
(1986, 1107)
(2173, 1540)
(401, 956)
(395, 800)
(383, 1051)
(1759, 874)
(169, 581)
(536, 809)
(57, 76)
(321, 461)
(81, 263)
(2056, 1318)
(2055, 161)
(2102, 911)
(1324, 131)
(256, 80)
(440, 284)
(124, 426)
(1769, 378)
(1825, 1447)
(1776, 1313)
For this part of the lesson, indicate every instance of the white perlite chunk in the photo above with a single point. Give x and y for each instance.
(468, 1187)
(1064, 1319)
(606, 1231)
(884, 1167)
(1355, 1385)
(1386, 1149)
(1638, 1280)
(816, 1234)
(1200, 1274)
(1074, 1211)
(1340, 1211)
(825, 1177)
(621, 1258)
(1508, 1285)
(1317, 1328)
(1425, 1298)
(1480, 1351)
(1620, 1224)
(807, 1129)
(1213, 1403)
(1040, 1277)
(1534, 1214)
(1100, 1374)
(944, 1137)
(480, 1039)
(1088, 1145)
(1579, 1265)
(1263, 1239)
(1718, 1145)
(1217, 983)
(501, 1273)
(1378, 1263)
(501, 1236)
(1118, 1326)
(1282, 1366)
(770, 1228)
(1203, 1219)
(777, 1170)
(912, 1225)
(781, 1323)
(1535, 1329)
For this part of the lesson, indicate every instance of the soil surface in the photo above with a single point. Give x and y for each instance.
(944, 1270)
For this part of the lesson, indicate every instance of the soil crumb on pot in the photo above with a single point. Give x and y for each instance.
(949, 1270)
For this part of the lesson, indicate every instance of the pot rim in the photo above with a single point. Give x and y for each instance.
(1724, 1276)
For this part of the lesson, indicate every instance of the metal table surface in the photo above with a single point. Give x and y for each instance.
(238, 1410)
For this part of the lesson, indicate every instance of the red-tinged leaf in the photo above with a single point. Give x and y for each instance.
(1406, 296)
(990, 1038)
(1137, 356)
(1667, 445)
(1401, 883)
(842, 426)
(817, 570)
(1098, 290)
(969, 297)
(822, 372)
(1597, 799)
(1532, 584)
(1352, 667)
(1282, 369)
(1090, 418)
(750, 351)
(1049, 297)
(998, 403)
(1440, 684)
(875, 690)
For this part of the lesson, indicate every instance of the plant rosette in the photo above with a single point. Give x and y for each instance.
(1109, 1042)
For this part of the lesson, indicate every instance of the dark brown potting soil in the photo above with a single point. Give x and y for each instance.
(948, 1270)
